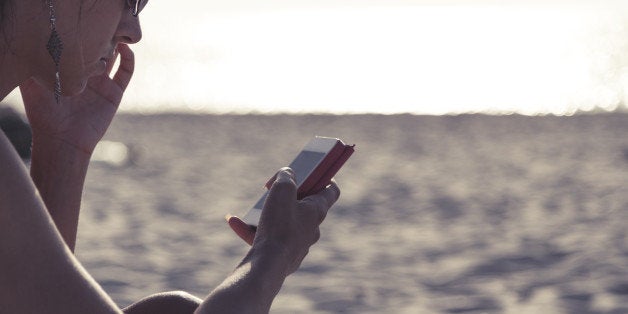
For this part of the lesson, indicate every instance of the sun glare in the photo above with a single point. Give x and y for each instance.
(423, 59)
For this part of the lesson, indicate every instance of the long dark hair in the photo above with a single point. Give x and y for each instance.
(2, 3)
(3, 9)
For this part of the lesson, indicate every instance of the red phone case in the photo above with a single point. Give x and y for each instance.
(321, 175)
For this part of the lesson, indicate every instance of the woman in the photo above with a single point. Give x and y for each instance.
(60, 54)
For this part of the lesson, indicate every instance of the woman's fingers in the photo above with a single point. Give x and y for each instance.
(321, 202)
(244, 231)
(331, 193)
(112, 62)
(283, 214)
(280, 200)
(282, 195)
(127, 66)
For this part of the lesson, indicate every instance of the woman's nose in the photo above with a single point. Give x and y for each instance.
(129, 30)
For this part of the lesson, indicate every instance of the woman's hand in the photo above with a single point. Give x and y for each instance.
(65, 135)
(287, 225)
(79, 121)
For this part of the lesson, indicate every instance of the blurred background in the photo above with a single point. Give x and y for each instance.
(377, 56)
(491, 164)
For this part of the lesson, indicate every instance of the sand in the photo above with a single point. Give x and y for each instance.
(454, 214)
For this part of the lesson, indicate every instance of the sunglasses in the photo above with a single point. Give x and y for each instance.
(136, 6)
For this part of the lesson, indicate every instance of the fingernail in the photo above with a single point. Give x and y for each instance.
(227, 217)
(285, 174)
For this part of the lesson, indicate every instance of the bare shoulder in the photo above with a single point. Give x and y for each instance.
(7, 151)
(5, 146)
(17, 130)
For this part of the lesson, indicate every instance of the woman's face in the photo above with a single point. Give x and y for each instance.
(90, 31)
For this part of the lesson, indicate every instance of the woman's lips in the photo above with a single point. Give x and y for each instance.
(104, 62)
(102, 66)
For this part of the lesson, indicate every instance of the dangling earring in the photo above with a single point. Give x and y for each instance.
(55, 47)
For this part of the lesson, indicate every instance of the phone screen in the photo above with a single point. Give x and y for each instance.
(303, 165)
(314, 166)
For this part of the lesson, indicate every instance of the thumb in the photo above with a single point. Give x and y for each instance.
(244, 231)
(281, 196)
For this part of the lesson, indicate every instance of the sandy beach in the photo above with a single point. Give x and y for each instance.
(439, 214)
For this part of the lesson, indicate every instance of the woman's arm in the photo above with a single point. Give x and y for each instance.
(251, 288)
(287, 229)
(39, 273)
(58, 170)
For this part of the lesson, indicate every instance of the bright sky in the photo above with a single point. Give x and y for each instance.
(384, 56)
(381, 56)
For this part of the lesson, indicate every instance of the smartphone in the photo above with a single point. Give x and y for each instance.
(314, 167)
